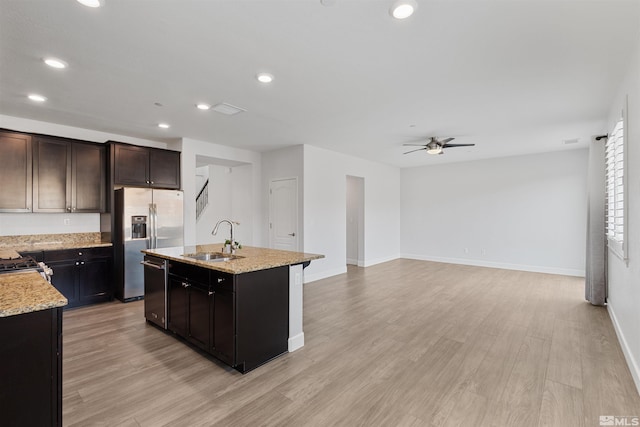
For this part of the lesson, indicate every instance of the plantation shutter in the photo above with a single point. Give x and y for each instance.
(614, 158)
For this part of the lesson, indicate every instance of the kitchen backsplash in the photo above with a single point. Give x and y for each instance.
(18, 224)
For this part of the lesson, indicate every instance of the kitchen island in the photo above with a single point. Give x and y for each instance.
(245, 309)
(31, 350)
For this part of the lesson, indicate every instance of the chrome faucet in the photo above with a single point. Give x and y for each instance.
(233, 242)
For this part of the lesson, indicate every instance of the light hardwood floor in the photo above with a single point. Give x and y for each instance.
(404, 343)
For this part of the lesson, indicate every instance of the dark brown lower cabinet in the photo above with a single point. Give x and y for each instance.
(242, 319)
(83, 275)
(31, 369)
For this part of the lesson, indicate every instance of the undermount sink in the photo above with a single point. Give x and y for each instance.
(211, 256)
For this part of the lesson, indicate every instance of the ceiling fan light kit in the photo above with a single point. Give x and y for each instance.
(435, 146)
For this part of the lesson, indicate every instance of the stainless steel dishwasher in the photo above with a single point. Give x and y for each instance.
(155, 290)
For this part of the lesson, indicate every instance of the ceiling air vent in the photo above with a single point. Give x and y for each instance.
(571, 141)
(227, 109)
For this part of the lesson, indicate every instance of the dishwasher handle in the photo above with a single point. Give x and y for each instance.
(152, 265)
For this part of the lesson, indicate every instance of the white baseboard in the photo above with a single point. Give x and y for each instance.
(370, 262)
(308, 278)
(628, 355)
(352, 261)
(295, 343)
(505, 266)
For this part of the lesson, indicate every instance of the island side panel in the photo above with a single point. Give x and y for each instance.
(262, 315)
(296, 334)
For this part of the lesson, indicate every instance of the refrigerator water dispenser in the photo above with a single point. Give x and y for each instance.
(139, 227)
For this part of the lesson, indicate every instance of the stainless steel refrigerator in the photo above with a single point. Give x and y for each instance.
(144, 219)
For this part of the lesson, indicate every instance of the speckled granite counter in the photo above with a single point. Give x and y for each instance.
(253, 259)
(51, 242)
(25, 292)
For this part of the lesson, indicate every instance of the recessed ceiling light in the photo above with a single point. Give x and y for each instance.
(227, 109)
(203, 106)
(402, 9)
(55, 62)
(91, 3)
(264, 77)
(37, 98)
(163, 125)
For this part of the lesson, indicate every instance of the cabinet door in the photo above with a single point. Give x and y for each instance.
(88, 178)
(16, 172)
(224, 343)
(94, 283)
(164, 168)
(64, 279)
(31, 369)
(178, 306)
(131, 165)
(200, 316)
(51, 175)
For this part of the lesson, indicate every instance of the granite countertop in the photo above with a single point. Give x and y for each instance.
(253, 259)
(51, 242)
(25, 292)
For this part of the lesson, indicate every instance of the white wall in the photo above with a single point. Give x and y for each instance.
(18, 224)
(623, 278)
(525, 212)
(325, 210)
(277, 164)
(250, 230)
(47, 223)
(219, 205)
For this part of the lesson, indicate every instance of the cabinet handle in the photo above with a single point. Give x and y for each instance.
(147, 181)
(185, 285)
(81, 262)
(220, 279)
(79, 253)
(211, 293)
(152, 182)
(77, 263)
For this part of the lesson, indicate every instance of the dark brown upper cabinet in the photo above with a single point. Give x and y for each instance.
(145, 166)
(68, 176)
(15, 172)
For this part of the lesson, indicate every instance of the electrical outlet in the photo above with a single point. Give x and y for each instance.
(67, 221)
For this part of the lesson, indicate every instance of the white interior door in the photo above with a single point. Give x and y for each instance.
(283, 214)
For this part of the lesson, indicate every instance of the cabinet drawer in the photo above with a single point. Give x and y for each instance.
(189, 272)
(77, 254)
(63, 255)
(222, 281)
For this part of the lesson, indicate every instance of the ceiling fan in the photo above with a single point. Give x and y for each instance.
(435, 146)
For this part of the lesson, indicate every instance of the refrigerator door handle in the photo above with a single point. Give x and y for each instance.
(155, 226)
(150, 241)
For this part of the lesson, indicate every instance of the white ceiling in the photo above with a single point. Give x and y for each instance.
(512, 76)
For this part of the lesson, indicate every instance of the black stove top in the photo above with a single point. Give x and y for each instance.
(13, 265)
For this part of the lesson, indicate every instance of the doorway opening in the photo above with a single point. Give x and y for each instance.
(227, 187)
(355, 221)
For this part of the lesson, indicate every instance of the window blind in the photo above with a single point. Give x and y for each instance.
(615, 212)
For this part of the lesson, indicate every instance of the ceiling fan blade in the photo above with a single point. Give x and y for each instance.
(457, 145)
(444, 141)
(414, 145)
(423, 148)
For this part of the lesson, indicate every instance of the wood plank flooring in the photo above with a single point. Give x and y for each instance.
(404, 343)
